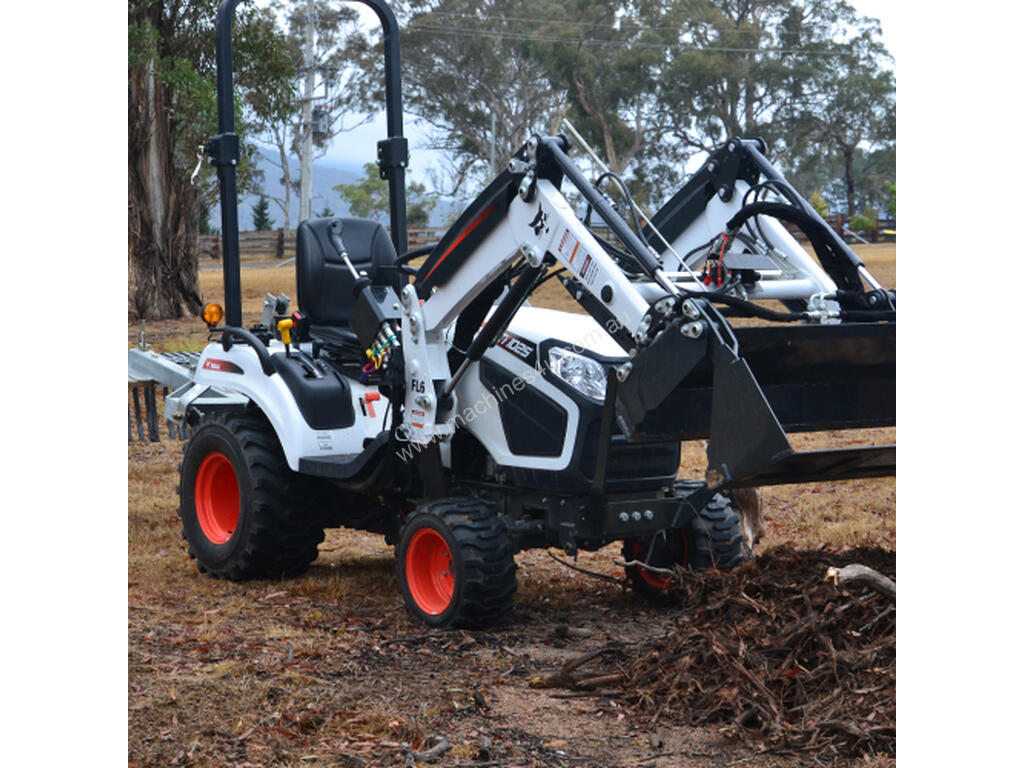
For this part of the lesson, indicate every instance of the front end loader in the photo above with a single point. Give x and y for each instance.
(434, 405)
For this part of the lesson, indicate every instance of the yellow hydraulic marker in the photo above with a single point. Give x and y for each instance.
(284, 327)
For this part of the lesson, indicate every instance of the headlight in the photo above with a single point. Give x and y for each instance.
(584, 374)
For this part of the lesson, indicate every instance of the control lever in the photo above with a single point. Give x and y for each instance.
(334, 235)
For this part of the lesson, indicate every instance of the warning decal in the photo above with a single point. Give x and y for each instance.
(567, 245)
(589, 270)
(569, 249)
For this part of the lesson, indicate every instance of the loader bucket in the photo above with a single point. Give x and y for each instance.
(744, 398)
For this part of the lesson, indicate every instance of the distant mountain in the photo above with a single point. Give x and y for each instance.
(325, 177)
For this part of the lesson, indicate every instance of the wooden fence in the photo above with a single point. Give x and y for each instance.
(270, 245)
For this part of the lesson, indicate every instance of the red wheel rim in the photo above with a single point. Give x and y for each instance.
(654, 580)
(217, 498)
(429, 571)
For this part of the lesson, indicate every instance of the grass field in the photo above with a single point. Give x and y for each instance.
(258, 281)
(328, 670)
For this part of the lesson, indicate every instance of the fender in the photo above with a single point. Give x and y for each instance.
(238, 370)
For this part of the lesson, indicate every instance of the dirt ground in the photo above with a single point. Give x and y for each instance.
(328, 669)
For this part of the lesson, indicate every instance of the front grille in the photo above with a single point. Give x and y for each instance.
(631, 466)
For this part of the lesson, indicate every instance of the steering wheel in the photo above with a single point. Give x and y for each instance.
(402, 262)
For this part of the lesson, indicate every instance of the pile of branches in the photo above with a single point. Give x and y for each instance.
(788, 660)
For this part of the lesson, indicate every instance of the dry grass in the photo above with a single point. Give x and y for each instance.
(258, 280)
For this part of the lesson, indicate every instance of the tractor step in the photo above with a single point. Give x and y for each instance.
(344, 466)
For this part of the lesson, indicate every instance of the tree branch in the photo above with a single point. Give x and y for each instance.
(862, 574)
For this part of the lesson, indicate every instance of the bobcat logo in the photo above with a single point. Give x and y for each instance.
(539, 221)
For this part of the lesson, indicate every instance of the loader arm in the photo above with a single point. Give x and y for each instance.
(523, 221)
(685, 375)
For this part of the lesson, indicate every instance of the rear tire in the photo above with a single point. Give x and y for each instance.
(710, 541)
(244, 513)
(455, 564)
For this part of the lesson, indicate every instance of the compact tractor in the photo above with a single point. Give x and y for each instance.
(434, 405)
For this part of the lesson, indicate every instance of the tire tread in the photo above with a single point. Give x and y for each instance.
(285, 529)
(489, 566)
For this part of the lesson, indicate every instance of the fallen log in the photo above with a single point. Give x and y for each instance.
(432, 754)
(565, 677)
(857, 573)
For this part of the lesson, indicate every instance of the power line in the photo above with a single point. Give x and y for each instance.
(569, 22)
(626, 26)
(463, 32)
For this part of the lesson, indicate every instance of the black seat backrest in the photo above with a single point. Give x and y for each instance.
(324, 282)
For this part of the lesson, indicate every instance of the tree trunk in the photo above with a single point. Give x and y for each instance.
(286, 180)
(848, 153)
(306, 164)
(163, 220)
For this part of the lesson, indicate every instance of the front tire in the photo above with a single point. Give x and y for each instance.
(711, 540)
(455, 564)
(244, 513)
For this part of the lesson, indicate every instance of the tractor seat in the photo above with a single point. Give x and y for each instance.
(325, 284)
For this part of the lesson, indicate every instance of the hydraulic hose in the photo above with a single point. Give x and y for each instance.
(841, 268)
(749, 308)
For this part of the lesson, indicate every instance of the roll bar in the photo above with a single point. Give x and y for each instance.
(223, 149)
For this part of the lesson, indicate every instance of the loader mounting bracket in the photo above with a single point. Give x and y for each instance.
(223, 149)
(392, 153)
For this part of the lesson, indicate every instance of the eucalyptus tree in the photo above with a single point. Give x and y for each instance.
(468, 75)
(810, 78)
(171, 113)
(606, 58)
(323, 104)
(648, 83)
(854, 120)
(652, 82)
(322, 65)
